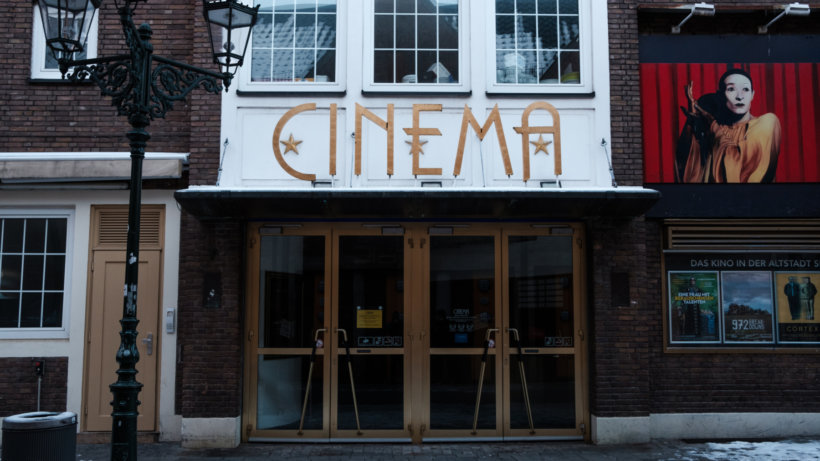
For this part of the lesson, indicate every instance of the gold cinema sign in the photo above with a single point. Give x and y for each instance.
(417, 131)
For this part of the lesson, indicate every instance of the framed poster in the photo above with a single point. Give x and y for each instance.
(693, 301)
(796, 294)
(748, 306)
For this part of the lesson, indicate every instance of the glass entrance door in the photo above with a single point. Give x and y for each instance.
(414, 332)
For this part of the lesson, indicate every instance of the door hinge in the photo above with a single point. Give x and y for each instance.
(583, 428)
(410, 242)
(422, 242)
(410, 429)
(579, 242)
(85, 411)
(581, 334)
(92, 263)
(250, 335)
(248, 430)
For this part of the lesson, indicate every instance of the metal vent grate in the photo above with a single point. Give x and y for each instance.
(113, 226)
(744, 235)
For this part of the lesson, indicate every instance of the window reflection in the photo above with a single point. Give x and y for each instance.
(537, 42)
(294, 41)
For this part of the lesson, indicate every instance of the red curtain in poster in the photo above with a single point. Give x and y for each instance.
(791, 91)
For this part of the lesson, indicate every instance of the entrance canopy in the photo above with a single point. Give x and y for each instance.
(419, 203)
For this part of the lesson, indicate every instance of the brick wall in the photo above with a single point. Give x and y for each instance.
(59, 116)
(18, 385)
(209, 374)
(627, 353)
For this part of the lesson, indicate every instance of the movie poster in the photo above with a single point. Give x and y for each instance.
(693, 297)
(748, 306)
(700, 95)
(796, 295)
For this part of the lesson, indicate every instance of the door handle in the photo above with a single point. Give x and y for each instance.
(149, 343)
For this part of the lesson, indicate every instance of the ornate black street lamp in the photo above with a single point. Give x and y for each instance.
(143, 87)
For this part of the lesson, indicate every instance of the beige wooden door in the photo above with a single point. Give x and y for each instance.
(105, 311)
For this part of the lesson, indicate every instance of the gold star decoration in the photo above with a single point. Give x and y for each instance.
(416, 144)
(541, 145)
(290, 145)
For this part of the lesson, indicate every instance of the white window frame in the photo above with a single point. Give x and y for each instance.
(47, 332)
(463, 86)
(245, 83)
(585, 24)
(39, 48)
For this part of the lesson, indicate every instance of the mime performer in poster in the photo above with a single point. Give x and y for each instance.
(792, 292)
(722, 142)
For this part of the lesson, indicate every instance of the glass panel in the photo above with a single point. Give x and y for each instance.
(55, 272)
(9, 309)
(525, 6)
(462, 290)
(384, 6)
(326, 34)
(263, 31)
(568, 6)
(292, 283)
(504, 30)
(525, 33)
(383, 67)
(569, 32)
(371, 290)
(326, 6)
(551, 390)
(305, 6)
(405, 6)
(429, 69)
(526, 73)
(305, 30)
(547, 7)
(448, 32)
(326, 67)
(284, 5)
(504, 6)
(548, 31)
(448, 6)
(449, 59)
(406, 66)
(548, 67)
(280, 392)
(405, 31)
(427, 32)
(379, 384)
(304, 64)
(283, 31)
(56, 235)
(30, 310)
(10, 272)
(13, 236)
(570, 68)
(541, 301)
(283, 71)
(33, 272)
(453, 389)
(383, 33)
(52, 310)
(261, 65)
(426, 6)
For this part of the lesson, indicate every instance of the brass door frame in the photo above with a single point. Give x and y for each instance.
(416, 348)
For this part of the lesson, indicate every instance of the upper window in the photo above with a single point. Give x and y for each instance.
(417, 45)
(295, 46)
(43, 63)
(540, 45)
(33, 261)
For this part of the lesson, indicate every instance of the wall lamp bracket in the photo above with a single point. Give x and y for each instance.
(792, 9)
(698, 9)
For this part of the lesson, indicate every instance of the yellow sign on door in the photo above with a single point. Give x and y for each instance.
(368, 318)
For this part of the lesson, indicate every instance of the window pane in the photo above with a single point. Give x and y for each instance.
(427, 32)
(326, 6)
(449, 59)
(453, 383)
(383, 33)
(568, 6)
(33, 272)
(52, 310)
(326, 31)
(548, 31)
(569, 32)
(305, 6)
(448, 6)
(304, 64)
(283, 72)
(504, 6)
(261, 66)
(12, 265)
(548, 67)
(525, 6)
(405, 31)
(448, 32)
(9, 309)
(570, 67)
(56, 235)
(525, 32)
(384, 6)
(283, 5)
(12, 236)
(35, 235)
(527, 73)
(283, 30)
(405, 6)
(281, 386)
(547, 7)
(426, 6)
(55, 272)
(263, 31)
(326, 67)
(30, 312)
(406, 66)
(383, 67)
(551, 391)
(305, 30)
(428, 69)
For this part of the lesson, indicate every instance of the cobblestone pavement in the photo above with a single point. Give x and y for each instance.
(794, 449)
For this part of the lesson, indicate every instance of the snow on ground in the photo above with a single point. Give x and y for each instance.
(786, 450)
